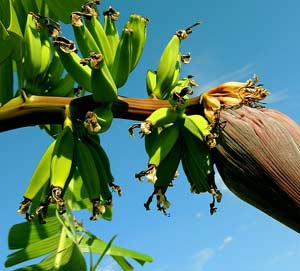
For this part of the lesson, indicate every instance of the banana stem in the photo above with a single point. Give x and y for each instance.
(36, 110)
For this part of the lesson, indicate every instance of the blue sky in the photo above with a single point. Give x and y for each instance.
(237, 39)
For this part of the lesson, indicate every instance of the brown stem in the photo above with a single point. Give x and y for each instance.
(35, 110)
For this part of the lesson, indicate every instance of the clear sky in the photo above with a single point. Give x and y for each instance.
(237, 39)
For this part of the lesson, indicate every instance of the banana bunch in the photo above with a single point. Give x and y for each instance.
(74, 153)
(119, 53)
(159, 83)
(172, 136)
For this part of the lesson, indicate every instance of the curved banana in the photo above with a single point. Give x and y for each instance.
(89, 174)
(55, 70)
(160, 148)
(123, 57)
(102, 41)
(110, 29)
(150, 82)
(197, 125)
(138, 24)
(197, 163)
(61, 164)
(32, 48)
(64, 87)
(85, 39)
(102, 83)
(72, 63)
(40, 177)
(104, 116)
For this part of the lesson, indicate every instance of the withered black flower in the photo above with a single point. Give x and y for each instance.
(258, 158)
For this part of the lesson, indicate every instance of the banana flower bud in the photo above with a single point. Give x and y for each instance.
(258, 158)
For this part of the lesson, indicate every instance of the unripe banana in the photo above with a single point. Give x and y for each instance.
(169, 64)
(85, 39)
(138, 24)
(46, 52)
(32, 48)
(64, 87)
(72, 63)
(61, 163)
(167, 67)
(102, 83)
(123, 57)
(163, 145)
(89, 174)
(150, 82)
(110, 29)
(101, 40)
(104, 117)
(55, 70)
(197, 125)
(197, 163)
(40, 177)
(162, 116)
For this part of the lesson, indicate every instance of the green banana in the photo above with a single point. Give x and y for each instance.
(105, 161)
(46, 52)
(167, 67)
(6, 81)
(197, 125)
(166, 172)
(40, 177)
(102, 41)
(72, 63)
(169, 64)
(102, 83)
(162, 116)
(159, 150)
(104, 116)
(64, 87)
(32, 48)
(150, 82)
(61, 163)
(89, 174)
(197, 162)
(102, 176)
(138, 24)
(84, 38)
(164, 143)
(123, 57)
(55, 70)
(110, 29)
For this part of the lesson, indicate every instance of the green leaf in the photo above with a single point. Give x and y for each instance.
(97, 245)
(123, 263)
(23, 234)
(33, 250)
(104, 252)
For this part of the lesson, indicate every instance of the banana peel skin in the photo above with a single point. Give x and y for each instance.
(258, 158)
